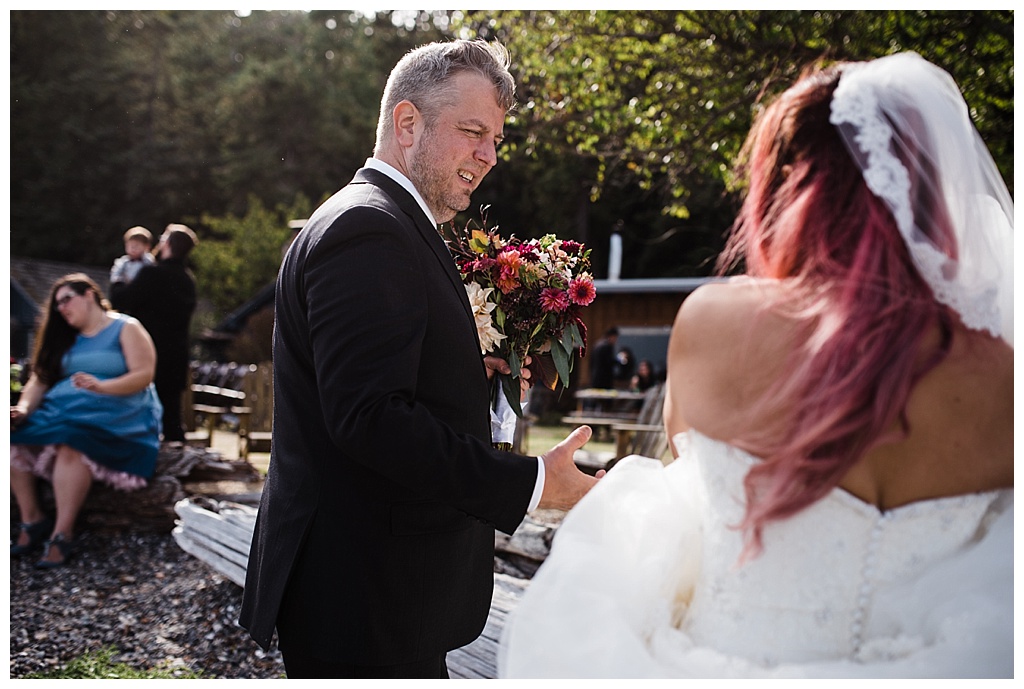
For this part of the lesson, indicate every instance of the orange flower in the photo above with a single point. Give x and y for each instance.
(509, 262)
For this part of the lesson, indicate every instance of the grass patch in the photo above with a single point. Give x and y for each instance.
(540, 439)
(100, 665)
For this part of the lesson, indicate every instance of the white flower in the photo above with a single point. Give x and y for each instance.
(489, 335)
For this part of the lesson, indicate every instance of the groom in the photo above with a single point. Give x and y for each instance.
(373, 549)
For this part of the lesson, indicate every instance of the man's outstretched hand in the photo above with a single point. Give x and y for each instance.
(564, 483)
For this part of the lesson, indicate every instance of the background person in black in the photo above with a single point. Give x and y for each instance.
(602, 363)
(163, 297)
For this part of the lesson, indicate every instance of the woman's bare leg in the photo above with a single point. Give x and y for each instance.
(71, 483)
(23, 485)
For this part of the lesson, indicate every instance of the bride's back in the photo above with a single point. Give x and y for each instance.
(729, 347)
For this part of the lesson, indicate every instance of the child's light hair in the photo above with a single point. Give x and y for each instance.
(139, 233)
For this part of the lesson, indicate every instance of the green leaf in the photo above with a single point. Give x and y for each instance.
(561, 360)
(514, 363)
(510, 386)
(577, 338)
(567, 340)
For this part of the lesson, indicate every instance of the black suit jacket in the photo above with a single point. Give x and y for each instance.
(376, 524)
(163, 298)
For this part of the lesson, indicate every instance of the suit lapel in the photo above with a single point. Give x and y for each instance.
(428, 232)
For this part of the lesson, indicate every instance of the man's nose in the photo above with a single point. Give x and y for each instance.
(487, 153)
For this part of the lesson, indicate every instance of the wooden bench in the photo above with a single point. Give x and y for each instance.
(229, 393)
(601, 409)
(644, 434)
(216, 405)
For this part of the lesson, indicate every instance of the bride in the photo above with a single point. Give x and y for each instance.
(841, 504)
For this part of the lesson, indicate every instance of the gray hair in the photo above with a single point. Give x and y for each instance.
(424, 75)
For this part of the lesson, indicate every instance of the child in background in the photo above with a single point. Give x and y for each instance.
(137, 243)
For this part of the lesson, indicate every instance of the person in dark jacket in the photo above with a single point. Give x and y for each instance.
(603, 360)
(373, 551)
(163, 297)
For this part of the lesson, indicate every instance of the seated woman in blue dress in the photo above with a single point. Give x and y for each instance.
(89, 412)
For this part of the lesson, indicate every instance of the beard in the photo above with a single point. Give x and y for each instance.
(433, 180)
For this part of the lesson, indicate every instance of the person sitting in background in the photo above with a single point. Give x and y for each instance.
(88, 412)
(644, 378)
(842, 501)
(137, 242)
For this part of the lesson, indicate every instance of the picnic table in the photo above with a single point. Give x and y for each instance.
(602, 408)
(607, 402)
(636, 428)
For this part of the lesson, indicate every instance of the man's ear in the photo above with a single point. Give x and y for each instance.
(407, 120)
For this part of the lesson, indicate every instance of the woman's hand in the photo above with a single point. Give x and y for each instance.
(86, 381)
(18, 416)
(140, 357)
(31, 396)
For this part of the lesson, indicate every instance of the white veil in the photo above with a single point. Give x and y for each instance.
(907, 126)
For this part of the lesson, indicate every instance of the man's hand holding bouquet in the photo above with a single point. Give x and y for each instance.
(527, 295)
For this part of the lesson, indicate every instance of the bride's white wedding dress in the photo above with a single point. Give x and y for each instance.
(642, 581)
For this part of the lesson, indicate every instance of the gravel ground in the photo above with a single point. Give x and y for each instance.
(141, 594)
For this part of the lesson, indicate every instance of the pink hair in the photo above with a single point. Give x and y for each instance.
(809, 218)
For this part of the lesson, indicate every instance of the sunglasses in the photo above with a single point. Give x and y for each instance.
(66, 298)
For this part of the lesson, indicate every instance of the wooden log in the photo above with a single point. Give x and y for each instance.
(531, 540)
(178, 466)
(143, 510)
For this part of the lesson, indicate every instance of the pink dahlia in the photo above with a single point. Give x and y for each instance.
(582, 291)
(554, 300)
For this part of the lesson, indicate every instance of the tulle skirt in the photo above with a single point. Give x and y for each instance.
(610, 599)
(39, 460)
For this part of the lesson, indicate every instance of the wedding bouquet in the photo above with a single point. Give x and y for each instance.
(527, 296)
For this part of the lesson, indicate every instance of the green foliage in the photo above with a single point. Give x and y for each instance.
(16, 373)
(649, 108)
(100, 665)
(147, 117)
(242, 254)
(629, 120)
(666, 97)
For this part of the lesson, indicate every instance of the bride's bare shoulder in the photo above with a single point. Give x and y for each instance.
(729, 342)
(719, 308)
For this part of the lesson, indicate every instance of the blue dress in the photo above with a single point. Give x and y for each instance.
(120, 433)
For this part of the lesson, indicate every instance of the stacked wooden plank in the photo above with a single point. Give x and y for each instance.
(219, 534)
(479, 660)
(216, 532)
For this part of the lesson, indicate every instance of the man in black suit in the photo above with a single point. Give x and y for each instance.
(163, 298)
(603, 360)
(374, 544)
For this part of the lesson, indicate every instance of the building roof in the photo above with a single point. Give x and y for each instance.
(650, 285)
(34, 277)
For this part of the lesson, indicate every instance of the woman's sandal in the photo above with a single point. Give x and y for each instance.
(63, 545)
(37, 534)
